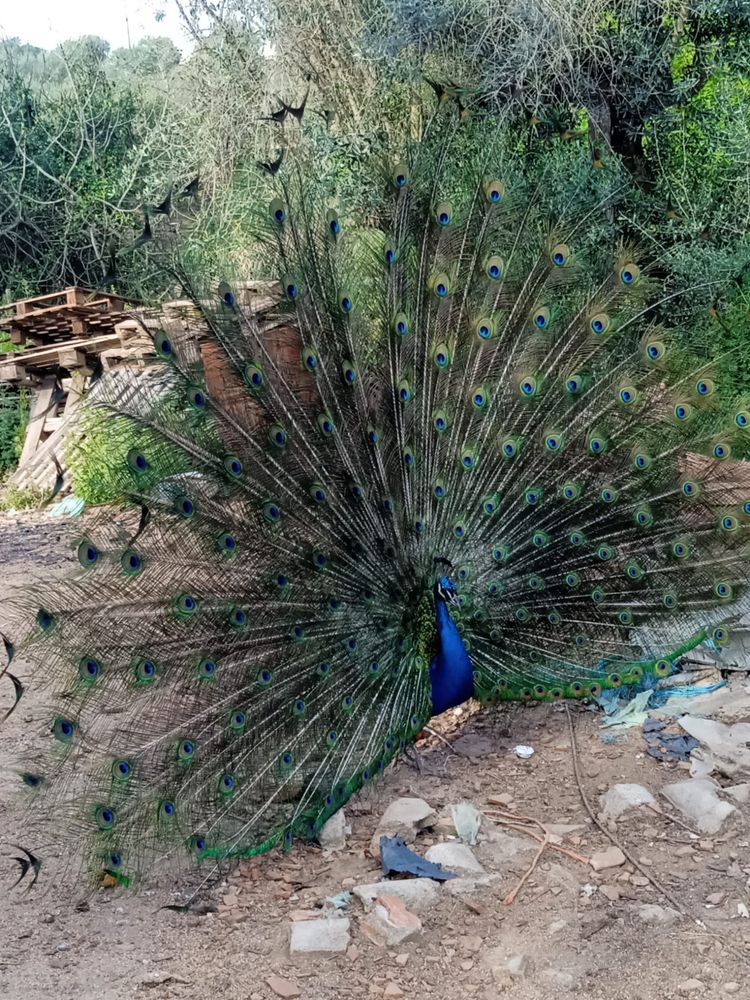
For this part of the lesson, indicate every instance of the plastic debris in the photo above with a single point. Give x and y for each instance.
(396, 857)
(667, 746)
(467, 821)
(69, 507)
(523, 751)
(632, 713)
(340, 901)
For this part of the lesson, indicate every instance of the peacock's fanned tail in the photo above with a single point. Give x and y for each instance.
(472, 374)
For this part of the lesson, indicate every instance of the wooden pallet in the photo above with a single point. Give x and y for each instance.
(72, 312)
(70, 332)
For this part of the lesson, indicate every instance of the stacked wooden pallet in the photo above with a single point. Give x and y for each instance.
(65, 338)
(69, 336)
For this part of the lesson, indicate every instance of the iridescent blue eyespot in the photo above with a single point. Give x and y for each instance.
(63, 729)
(121, 769)
(89, 668)
(105, 817)
(233, 466)
(137, 461)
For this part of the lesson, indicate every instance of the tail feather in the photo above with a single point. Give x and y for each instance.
(476, 374)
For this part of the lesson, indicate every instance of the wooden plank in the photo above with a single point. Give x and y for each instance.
(49, 353)
(37, 415)
(52, 424)
(53, 445)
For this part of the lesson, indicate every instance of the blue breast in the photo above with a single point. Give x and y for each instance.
(451, 674)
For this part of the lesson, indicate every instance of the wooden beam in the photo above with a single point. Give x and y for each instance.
(10, 371)
(69, 357)
(37, 416)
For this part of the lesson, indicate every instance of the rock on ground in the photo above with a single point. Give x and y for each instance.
(403, 818)
(415, 893)
(283, 987)
(655, 915)
(621, 799)
(612, 857)
(698, 801)
(327, 935)
(332, 836)
(453, 855)
(499, 847)
(389, 922)
(740, 793)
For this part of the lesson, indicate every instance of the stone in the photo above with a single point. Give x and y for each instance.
(690, 986)
(612, 857)
(327, 935)
(623, 798)
(655, 915)
(698, 801)
(518, 966)
(557, 926)
(728, 745)
(389, 922)
(454, 856)
(332, 835)
(611, 892)
(416, 893)
(740, 793)
(499, 847)
(404, 817)
(283, 987)
(716, 898)
(402, 959)
(731, 988)
(393, 990)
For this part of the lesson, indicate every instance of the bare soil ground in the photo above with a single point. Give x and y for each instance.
(113, 944)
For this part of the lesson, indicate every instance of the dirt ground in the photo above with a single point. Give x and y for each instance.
(579, 931)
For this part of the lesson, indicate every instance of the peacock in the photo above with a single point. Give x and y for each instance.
(466, 452)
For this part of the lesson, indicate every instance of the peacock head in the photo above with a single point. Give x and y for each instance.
(445, 590)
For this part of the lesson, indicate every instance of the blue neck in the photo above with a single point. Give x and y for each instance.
(451, 673)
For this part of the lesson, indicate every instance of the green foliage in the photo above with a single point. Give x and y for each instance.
(16, 498)
(14, 412)
(97, 456)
